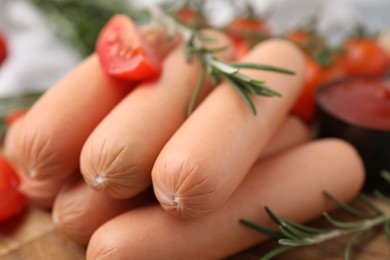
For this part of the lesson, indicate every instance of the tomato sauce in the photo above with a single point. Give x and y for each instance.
(363, 102)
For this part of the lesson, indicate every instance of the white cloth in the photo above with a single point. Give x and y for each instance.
(37, 58)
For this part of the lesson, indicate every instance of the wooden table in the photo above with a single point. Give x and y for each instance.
(33, 236)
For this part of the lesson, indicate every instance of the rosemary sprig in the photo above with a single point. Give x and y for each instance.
(213, 66)
(291, 235)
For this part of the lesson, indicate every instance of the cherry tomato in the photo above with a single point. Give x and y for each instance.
(124, 53)
(14, 116)
(298, 36)
(364, 56)
(315, 75)
(246, 32)
(11, 200)
(186, 15)
(3, 48)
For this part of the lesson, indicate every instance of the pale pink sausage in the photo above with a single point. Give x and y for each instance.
(207, 158)
(79, 210)
(77, 203)
(292, 132)
(118, 156)
(47, 141)
(290, 183)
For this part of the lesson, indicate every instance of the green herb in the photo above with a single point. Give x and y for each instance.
(292, 235)
(80, 21)
(214, 67)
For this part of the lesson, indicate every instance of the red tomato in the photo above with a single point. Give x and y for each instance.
(364, 56)
(15, 115)
(11, 200)
(3, 48)
(315, 75)
(124, 53)
(245, 32)
(186, 16)
(298, 36)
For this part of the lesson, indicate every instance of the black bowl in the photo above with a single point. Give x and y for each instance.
(372, 144)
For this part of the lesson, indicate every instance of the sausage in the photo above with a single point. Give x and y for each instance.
(118, 156)
(77, 202)
(290, 183)
(292, 132)
(207, 158)
(48, 141)
(79, 210)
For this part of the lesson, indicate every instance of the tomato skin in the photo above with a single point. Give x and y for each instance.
(186, 16)
(124, 53)
(14, 116)
(315, 75)
(245, 32)
(3, 48)
(364, 56)
(11, 200)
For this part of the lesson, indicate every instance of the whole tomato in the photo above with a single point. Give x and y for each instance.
(364, 56)
(11, 200)
(3, 48)
(315, 75)
(246, 32)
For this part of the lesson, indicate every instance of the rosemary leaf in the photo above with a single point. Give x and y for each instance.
(293, 242)
(350, 242)
(297, 232)
(344, 225)
(309, 230)
(238, 86)
(218, 49)
(347, 207)
(274, 217)
(262, 229)
(261, 67)
(289, 233)
(385, 175)
(223, 67)
(386, 228)
(198, 89)
(382, 197)
(275, 252)
(368, 203)
(205, 38)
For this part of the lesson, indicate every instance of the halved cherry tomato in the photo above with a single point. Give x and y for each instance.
(315, 75)
(364, 56)
(124, 53)
(246, 32)
(11, 200)
(3, 48)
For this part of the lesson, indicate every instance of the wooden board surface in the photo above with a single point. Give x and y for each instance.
(33, 236)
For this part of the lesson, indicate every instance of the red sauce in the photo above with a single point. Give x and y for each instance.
(364, 102)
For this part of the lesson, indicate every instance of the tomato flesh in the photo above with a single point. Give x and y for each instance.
(11, 200)
(124, 53)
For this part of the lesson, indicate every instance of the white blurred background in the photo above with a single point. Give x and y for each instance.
(38, 58)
